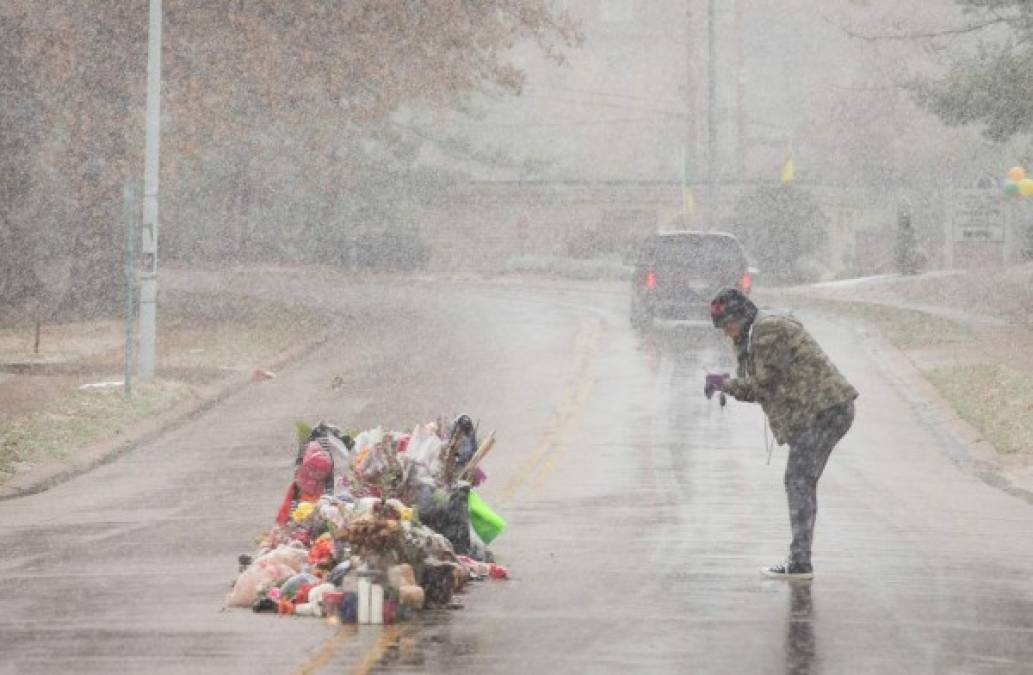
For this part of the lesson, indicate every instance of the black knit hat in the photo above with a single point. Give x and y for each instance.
(731, 305)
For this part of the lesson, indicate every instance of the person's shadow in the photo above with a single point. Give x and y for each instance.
(801, 649)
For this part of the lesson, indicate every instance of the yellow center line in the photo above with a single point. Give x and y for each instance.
(388, 635)
(546, 468)
(566, 417)
(326, 652)
(528, 466)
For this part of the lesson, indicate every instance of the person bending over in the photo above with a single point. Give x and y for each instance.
(808, 403)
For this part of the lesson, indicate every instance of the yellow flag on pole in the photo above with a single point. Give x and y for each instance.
(788, 172)
(689, 205)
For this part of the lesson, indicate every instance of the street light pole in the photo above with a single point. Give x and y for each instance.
(129, 216)
(149, 229)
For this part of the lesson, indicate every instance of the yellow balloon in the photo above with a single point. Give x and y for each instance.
(1026, 187)
(1016, 173)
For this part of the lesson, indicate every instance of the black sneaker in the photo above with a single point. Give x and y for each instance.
(789, 570)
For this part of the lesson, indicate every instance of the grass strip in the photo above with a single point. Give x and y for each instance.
(905, 328)
(232, 332)
(197, 333)
(78, 419)
(993, 398)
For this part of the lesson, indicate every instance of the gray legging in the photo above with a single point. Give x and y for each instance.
(808, 453)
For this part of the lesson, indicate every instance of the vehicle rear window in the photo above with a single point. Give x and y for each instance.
(693, 252)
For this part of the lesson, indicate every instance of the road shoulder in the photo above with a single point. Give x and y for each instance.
(967, 339)
(206, 387)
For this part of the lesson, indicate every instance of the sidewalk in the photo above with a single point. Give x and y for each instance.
(984, 297)
(982, 318)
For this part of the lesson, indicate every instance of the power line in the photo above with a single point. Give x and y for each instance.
(595, 92)
(573, 123)
(616, 106)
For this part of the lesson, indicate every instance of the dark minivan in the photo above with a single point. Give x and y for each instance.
(677, 273)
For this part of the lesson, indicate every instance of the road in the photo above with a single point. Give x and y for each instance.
(639, 512)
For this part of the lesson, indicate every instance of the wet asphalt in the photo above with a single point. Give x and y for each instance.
(639, 512)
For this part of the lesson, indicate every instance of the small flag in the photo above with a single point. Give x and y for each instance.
(788, 172)
(689, 204)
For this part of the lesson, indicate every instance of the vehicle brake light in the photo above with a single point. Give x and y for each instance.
(650, 279)
(746, 283)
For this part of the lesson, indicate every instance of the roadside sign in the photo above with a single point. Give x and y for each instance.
(993, 234)
(978, 216)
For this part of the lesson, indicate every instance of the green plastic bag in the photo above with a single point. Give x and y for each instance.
(485, 522)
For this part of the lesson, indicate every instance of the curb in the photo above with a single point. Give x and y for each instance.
(42, 477)
(964, 444)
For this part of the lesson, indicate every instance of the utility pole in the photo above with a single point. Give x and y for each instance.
(740, 90)
(689, 165)
(129, 216)
(712, 209)
(149, 229)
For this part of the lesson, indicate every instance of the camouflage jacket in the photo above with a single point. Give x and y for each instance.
(783, 368)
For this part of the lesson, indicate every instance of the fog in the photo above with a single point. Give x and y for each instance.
(288, 135)
(385, 214)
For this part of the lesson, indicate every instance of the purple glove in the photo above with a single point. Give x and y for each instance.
(715, 382)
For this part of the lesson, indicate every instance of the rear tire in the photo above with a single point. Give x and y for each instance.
(640, 317)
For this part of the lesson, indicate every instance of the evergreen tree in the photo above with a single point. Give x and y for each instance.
(781, 227)
(992, 86)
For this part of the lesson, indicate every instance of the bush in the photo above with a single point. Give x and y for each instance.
(1026, 253)
(389, 250)
(781, 227)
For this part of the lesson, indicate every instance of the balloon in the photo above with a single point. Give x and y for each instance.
(1026, 187)
(1016, 173)
(1011, 188)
